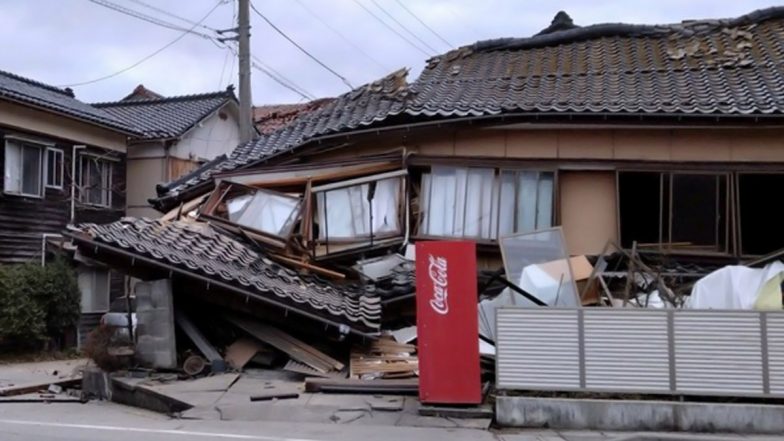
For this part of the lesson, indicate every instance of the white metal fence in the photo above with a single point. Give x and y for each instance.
(684, 352)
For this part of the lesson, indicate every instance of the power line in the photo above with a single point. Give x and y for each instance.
(172, 15)
(432, 31)
(395, 31)
(167, 45)
(303, 50)
(150, 19)
(277, 76)
(343, 37)
(402, 26)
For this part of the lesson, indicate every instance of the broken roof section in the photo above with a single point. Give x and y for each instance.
(199, 251)
(157, 117)
(272, 117)
(361, 107)
(710, 67)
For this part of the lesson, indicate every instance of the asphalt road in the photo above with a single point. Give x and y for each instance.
(97, 421)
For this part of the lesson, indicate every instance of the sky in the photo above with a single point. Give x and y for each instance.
(67, 42)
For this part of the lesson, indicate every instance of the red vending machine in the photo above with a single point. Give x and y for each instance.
(447, 328)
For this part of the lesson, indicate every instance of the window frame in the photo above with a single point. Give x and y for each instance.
(85, 272)
(666, 190)
(21, 144)
(495, 208)
(60, 173)
(106, 191)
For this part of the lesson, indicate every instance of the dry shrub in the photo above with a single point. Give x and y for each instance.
(96, 347)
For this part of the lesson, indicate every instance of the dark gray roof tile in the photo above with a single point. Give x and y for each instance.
(24, 90)
(200, 249)
(170, 117)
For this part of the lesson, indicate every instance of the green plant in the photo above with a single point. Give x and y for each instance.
(38, 301)
(21, 317)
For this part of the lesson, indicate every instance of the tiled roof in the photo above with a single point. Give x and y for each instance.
(700, 67)
(360, 107)
(710, 67)
(169, 117)
(271, 117)
(141, 93)
(61, 101)
(199, 249)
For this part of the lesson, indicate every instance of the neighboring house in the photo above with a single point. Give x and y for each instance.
(670, 136)
(63, 163)
(177, 134)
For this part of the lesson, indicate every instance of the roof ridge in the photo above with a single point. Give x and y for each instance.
(599, 30)
(228, 93)
(67, 91)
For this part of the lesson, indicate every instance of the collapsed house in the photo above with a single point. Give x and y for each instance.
(659, 139)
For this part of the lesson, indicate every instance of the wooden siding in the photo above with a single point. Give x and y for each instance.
(23, 220)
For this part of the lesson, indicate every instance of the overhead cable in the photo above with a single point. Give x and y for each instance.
(154, 20)
(390, 28)
(404, 27)
(173, 15)
(302, 49)
(416, 17)
(156, 52)
(343, 37)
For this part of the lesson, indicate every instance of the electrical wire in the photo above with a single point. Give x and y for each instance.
(166, 46)
(432, 31)
(172, 15)
(403, 27)
(395, 31)
(303, 50)
(150, 19)
(343, 37)
(277, 76)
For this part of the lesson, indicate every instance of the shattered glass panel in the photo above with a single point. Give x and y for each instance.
(538, 262)
(263, 211)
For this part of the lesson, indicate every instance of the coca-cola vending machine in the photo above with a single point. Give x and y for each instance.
(447, 328)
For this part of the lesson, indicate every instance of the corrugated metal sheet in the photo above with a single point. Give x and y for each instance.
(626, 349)
(685, 352)
(537, 349)
(775, 330)
(718, 351)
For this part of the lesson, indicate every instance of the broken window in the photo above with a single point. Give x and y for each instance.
(685, 211)
(262, 211)
(272, 213)
(759, 223)
(95, 180)
(360, 211)
(484, 203)
(23, 168)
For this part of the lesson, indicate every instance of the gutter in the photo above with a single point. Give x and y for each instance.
(96, 246)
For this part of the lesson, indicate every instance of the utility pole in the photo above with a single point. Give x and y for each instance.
(246, 103)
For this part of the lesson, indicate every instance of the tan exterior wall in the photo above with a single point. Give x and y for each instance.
(44, 123)
(700, 145)
(588, 210)
(142, 176)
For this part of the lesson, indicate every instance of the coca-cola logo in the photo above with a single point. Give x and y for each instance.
(437, 272)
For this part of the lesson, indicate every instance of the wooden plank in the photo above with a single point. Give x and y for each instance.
(26, 388)
(309, 266)
(274, 396)
(303, 369)
(239, 353)
(289, 345)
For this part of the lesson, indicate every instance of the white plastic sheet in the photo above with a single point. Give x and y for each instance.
(739, 287)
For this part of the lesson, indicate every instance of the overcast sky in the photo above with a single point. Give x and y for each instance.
(62, 42)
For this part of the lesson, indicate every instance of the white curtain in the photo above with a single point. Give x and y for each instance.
(344, 213)
(475, 203)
